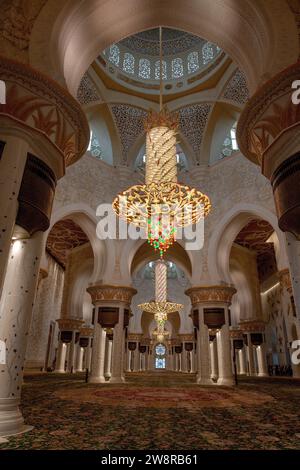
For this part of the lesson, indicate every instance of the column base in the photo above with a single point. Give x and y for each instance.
(117, 380)
(226, 381)
(204, 381)
(11, 419)
(96, 380)
(59, 371)
(263, 374)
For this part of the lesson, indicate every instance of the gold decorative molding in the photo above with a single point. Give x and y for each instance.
(213, 294)
(110, 293)
(285, 280)
(268, 113)
(251, 326)
(135, 337)
(70, 324)
(186, 337)
(235, 333)
(86, 331)
(41, 104)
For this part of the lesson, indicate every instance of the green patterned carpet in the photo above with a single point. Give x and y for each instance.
(158, 411)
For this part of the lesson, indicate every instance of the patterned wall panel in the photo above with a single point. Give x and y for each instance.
(236, 89)
(192, 122)
(129, 121)
(87, 92)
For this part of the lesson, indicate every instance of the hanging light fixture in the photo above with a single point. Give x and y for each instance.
(161, 205)
(160, 308)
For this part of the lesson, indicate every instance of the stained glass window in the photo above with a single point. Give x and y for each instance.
(94, 147)
(160, 363)
(144, 68)
(207, 53)
(157, 70)
(114, 54)
(193, 62)
(177, 68)
(128, 63)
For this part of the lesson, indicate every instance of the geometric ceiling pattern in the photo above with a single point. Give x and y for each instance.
(64, 236)
(130, 124)
(236, 89)
(192, 122)
(87, 92)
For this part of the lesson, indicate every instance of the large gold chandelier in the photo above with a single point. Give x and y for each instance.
(161, 205)
(160, 308)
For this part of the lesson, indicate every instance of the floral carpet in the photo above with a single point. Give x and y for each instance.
(158, 412)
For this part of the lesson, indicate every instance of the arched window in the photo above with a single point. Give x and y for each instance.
(207, 53)
(160, 360)
(157, 70)
(114, 54)
(128, 63)
(177, 68)
(94, 147)
(193, 62)
(230, 143)
(144, 68)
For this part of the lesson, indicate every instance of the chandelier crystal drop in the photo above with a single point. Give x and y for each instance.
(161, 205)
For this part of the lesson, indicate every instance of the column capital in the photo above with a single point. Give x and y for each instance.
(252, 326)
(235, 333)
(211, 294)
(184, 337)
(70, 324)
(86, 332)
(110, 293)
(41, 105)
(135, 337)
(285, 280)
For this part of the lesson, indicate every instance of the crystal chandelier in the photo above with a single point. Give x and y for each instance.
(161, 205)
(160, 308)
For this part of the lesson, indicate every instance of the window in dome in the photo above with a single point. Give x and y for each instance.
(157, 70)
(230, 144)
(128, 63)
(144, 68)
(114, 54)
(94, 147)
(207, 53)
(177, 68)
(193, 62)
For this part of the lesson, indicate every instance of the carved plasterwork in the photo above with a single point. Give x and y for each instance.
(236, 88)
(268, 113)
(192, 122)
(40, 103)
(70, 324)
(214, 294)
(109, 293)
(87, 92)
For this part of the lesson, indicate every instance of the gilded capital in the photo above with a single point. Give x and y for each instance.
(70, 324)
(213, 294)
(252, 326)
(110, 293)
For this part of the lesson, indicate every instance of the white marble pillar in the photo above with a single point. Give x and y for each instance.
(88, 355)
(136, 355)
(192, 353)
(242, 361)
(117, 375)
(129, 359)
(79, 358)
(250, 356)
(224, 354)
(214, 359)
(262, 360)
(184, 359)
(108, 351)
(12, 164)
(98, 355)
(61, 358)
(19, 290)
(72, 354)
(203, 375)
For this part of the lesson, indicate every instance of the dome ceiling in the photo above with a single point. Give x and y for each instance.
(174, 42)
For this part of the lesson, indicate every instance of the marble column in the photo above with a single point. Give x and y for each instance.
(203, 376)
(61, 357)
(250, 356)
(79, 359)
(262, 360)
(136, 356)
(72, 354)
(98, 355)
(183, 359)
(88, 355)
(242, 361)
(214, 359)
(108, 351)
(12, 164)
(117, 375)
(15, 316)
(193, 364)
(224, 354)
